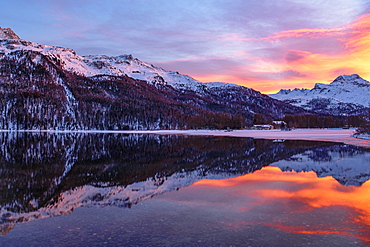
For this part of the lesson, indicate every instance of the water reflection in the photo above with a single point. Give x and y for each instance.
(293, 202)
(45, 175)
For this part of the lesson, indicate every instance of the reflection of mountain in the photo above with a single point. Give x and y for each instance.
(44, 175)
(348, 165)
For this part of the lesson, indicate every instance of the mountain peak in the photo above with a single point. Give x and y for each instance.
(7, 33)
(295, 91)
(348, 79)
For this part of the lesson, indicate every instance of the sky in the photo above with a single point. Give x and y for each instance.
(262, 44)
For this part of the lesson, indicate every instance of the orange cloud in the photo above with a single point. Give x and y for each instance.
(355, 58)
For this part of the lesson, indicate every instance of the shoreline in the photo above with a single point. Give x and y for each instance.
(331, 135)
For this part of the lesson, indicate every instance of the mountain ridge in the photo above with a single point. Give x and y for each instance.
(347, 94)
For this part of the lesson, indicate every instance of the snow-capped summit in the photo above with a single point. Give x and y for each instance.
(354, 79)
(347, 94)
(134, 68)
(7, 33)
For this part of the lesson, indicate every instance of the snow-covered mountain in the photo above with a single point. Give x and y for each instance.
(55, 88)
(89, 66)
(94, 65)
(347, 94)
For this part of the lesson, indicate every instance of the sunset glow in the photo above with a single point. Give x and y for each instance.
(264, 45)
(299, 63)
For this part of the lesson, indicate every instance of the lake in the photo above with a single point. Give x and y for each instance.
(85, 189)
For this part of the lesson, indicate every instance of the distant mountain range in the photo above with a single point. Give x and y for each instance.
(347, 94)
(47, 87)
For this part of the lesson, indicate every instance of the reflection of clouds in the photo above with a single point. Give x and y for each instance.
(294, 194)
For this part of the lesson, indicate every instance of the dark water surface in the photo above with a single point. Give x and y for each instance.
(150, 190)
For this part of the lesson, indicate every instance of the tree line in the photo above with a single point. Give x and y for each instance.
(315, 121)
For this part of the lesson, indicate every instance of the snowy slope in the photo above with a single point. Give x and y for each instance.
(346, 94)
(93, 65)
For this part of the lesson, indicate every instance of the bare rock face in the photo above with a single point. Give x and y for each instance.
(7, 33)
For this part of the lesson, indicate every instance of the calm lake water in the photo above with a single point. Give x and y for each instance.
(150, 190)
